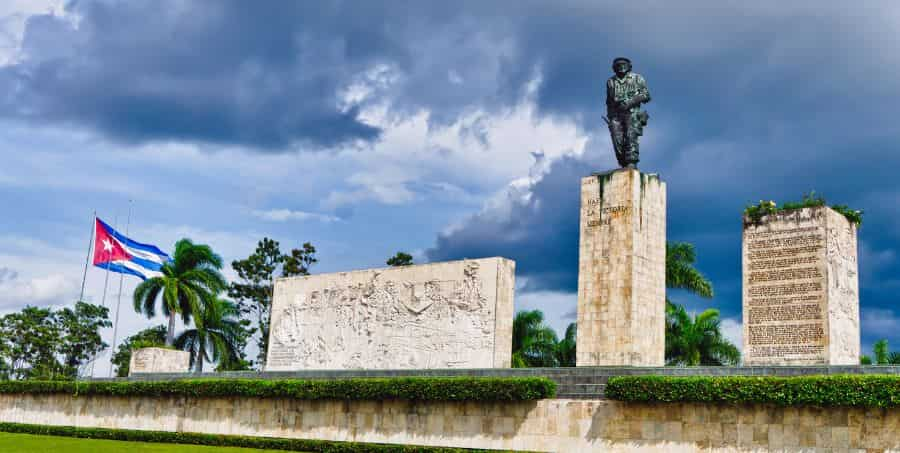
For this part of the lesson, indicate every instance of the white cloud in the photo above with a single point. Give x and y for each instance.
(53, 289)
(733, 330)
(283, 215)
(13, 14)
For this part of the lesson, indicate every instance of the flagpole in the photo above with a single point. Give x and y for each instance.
(87, 258)
(119, 301)
(105, 284)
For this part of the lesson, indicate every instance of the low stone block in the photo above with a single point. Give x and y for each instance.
(158, 360)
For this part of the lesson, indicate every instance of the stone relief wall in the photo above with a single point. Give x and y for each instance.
(441, 315)
(800, 299)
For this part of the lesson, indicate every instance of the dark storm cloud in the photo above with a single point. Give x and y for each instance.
(7, 274)
(750, 102)
(271, 74)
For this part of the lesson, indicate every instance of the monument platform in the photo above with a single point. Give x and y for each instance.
(622, 270)
(572, 382)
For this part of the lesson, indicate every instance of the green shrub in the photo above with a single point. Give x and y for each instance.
(872, 391)
(217, 440)
(406, 388)
(755, 213)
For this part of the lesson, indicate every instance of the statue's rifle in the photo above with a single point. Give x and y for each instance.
(617, 143)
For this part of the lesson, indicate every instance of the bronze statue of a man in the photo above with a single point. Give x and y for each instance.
(625, 92)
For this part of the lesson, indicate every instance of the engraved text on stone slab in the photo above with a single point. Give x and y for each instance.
(785, 291)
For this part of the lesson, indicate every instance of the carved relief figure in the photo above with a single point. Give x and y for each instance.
(423, 324)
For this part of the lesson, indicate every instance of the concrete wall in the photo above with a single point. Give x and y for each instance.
(560, 425)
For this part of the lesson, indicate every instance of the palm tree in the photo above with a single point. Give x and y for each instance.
(698, 340)
(565, 349)
(680, 270)
(894, 358)
(216, 337)
(880, 352)
(534, 343)
(189, 281)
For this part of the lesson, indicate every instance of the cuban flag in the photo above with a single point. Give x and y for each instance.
(117, 253)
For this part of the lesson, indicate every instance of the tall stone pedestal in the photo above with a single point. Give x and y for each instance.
(622, 270)
(801, 291)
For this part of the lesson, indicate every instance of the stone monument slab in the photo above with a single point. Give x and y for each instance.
(622, 270)
(800, 289)
(455, 314)
(159, 360)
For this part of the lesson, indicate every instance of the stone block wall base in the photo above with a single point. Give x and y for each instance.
(546, 425)
(622, 270)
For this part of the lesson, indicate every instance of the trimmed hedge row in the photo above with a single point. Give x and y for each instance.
(269, 443)
(407, 388)
(871, 391)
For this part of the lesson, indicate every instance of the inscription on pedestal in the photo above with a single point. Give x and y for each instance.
(786, 299)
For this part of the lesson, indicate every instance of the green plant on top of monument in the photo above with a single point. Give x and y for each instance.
(755, 213)
(217, 339)
(400, 259)
(189, 281)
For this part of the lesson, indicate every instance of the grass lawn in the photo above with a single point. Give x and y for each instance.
(28, 443)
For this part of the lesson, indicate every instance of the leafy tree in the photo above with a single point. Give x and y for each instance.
(534, 343)
(865, 360)
(80, 341)
(257, 273)
(153, 336)
(400, 259)
(698, 340)
(880, 352)
(299, 261)
(30, 340)
(242, 334)
(216, 338)
(189, 281)
(565, 349)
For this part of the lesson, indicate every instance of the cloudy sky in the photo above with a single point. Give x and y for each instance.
(446, 129)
